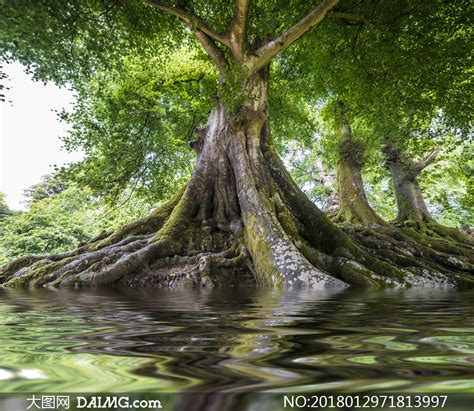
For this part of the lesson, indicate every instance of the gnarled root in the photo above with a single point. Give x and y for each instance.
(163, 258)
(440, 233)
(410, 249)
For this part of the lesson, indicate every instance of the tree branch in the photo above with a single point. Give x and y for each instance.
(214, 52)
(427, 160)
(348, 16)
(205, 35)
(238, 28)
(191, 20)
(265, 53)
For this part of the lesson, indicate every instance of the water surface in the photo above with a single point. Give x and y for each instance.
(236, 340)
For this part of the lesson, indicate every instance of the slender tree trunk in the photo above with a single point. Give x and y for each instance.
(353, 204)
(412, 209)
(410, 203)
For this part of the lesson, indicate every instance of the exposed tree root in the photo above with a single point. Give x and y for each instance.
(206, 256)
(410, 249)
(156, 258)
(430, 233)
(116, 239)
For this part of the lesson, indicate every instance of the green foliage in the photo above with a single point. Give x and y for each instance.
(4, 209)
(448, 185)
(311, 172)
(396, 70)
(68, 41)
(379, 189)
(51, 225)
(60, 221)
(49, 185)
(134, 125)
(291, 115)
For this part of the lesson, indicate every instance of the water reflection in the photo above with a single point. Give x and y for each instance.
(237, 340)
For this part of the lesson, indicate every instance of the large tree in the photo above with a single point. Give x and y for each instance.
(240, 212)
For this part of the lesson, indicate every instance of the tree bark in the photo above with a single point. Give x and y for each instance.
(410, 202)
(353, 204)
(412, 209)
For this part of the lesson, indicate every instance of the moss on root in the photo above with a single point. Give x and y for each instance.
(423, 265)
(260, 252)
(148, 224)
(37, 273)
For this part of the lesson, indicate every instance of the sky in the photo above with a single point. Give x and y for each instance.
(29, 133)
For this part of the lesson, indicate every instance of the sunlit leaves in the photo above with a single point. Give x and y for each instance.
(135, 124)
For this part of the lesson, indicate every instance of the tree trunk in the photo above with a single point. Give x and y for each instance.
(241, 219)
(410, 203)
(412, 209)
(353, 204)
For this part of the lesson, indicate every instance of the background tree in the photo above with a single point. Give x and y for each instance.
(353, 204)
(388, 85)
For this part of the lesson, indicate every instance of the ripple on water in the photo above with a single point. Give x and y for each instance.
(236, 340)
